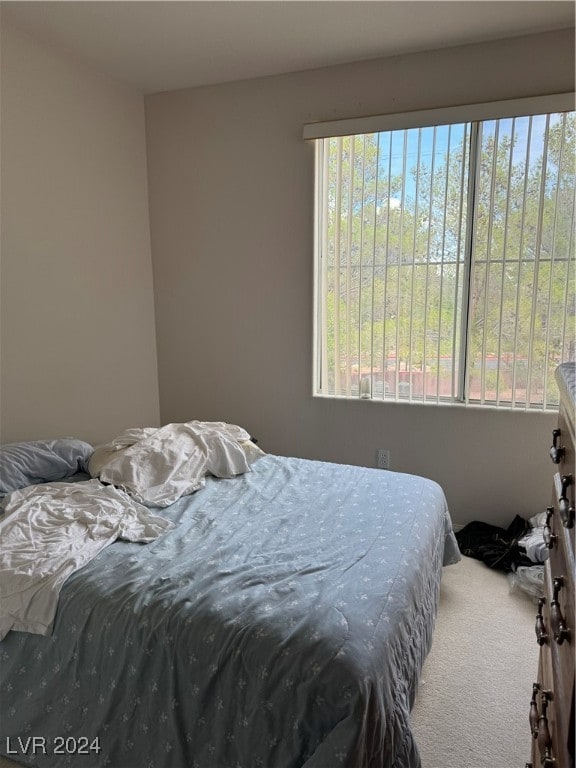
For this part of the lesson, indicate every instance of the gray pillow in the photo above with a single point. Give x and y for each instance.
(41, 461)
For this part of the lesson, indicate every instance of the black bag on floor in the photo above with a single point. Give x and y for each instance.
(497, 547)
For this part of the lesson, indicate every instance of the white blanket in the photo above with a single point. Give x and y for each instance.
(50, 531)
(158, 466)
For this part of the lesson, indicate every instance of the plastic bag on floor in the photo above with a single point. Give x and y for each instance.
(529, 579)
(533, 541)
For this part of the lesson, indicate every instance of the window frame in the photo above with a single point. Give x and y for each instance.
(473, 114)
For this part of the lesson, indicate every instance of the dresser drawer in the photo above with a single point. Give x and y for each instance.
(562, 448)
(562, 521)
(555, 695)
(543, 714)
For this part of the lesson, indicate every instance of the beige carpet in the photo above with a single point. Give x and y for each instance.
(473, 701)
(472, 705)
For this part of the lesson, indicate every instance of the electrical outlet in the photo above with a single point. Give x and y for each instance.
(383, 458)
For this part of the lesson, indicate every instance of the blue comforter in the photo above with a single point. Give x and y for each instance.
(283, 623)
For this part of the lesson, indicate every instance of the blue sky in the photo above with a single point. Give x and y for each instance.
(437, 142)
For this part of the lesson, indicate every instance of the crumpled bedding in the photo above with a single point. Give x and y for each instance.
(50, 531)
(157, 466)
(41, 461)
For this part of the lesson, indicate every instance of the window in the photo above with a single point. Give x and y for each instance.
(445, 255)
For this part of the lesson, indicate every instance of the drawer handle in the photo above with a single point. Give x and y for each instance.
(564, 506)
(556, 452)
(544, 738)
(534, 715)
(559, 628)
(549, 537)
(540, 629)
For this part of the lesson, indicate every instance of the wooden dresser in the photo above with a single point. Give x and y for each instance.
(552, 704)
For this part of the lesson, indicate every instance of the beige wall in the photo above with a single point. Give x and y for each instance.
(78, 350)
(231, 204)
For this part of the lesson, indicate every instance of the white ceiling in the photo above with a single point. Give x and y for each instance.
(159, 45)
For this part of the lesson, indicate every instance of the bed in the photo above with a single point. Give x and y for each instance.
(281, 622)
